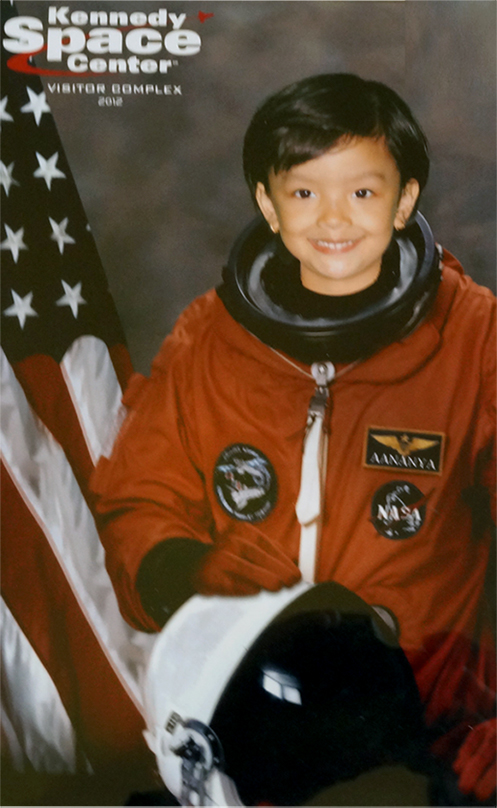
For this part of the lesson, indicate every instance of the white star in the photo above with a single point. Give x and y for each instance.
(21, 308)
(37, 104)
(72, 297)
(48, 169)
(59, 233)
(6, 178)
(13, 242)
(4, 115)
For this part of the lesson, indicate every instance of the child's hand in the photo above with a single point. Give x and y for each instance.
(241, 567)
(476, 761)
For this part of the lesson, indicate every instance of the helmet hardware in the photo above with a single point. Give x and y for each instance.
(201, 753)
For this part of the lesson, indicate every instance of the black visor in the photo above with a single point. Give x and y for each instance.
(323, 695)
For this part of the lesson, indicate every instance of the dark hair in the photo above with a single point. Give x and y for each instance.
(307, 118)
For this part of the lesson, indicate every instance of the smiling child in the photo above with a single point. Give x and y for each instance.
(327, 412)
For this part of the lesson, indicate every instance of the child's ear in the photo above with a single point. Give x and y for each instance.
(408, 199)
(267, 208)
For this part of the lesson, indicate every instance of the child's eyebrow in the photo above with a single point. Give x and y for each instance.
(297, 175)
(369, 174)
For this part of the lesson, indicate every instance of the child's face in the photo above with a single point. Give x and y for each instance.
(336, 213)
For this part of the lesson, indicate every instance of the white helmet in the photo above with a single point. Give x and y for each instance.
(191, 664)
(243, 695)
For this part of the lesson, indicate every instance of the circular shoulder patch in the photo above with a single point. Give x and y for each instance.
(245, 483)
(398, 510)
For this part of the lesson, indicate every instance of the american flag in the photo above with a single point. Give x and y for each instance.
(71, 696)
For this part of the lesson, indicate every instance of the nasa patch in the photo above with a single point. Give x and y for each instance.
(245, 483)
(398, 510)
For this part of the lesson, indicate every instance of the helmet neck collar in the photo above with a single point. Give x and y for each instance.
(342, 337)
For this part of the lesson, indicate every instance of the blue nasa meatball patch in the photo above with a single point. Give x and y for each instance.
(245, 483)
(398, 510)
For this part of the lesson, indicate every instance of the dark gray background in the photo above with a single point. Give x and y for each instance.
(161, 178)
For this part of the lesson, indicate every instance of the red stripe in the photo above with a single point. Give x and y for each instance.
(44, 386)
(122, 364)
(38, 595)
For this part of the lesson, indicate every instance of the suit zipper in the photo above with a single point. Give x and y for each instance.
(309, 507)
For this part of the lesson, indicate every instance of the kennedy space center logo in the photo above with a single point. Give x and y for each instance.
(81, 42)
(398, 510)
(245, 483)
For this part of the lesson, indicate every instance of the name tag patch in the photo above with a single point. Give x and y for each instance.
(409, 450)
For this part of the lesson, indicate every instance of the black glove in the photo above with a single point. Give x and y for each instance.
(164, 580)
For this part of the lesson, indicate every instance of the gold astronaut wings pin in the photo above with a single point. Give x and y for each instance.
(409, 450)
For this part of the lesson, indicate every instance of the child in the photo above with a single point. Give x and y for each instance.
(327, 411)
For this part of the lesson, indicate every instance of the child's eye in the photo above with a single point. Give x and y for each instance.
(363, 193)
(303, 193)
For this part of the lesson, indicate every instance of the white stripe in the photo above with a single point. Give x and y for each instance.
(308, 550)
(95, 392)
(36, 724)
(9, 737)
(308, 505)
(45, 481)
(310, 499)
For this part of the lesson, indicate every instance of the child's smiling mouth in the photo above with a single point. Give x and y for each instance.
(326, 246)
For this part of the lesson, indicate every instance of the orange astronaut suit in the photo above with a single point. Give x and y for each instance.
(212, 446)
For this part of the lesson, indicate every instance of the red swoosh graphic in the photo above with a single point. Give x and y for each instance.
(20, 63)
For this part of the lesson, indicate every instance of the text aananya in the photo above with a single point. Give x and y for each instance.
(65, 38)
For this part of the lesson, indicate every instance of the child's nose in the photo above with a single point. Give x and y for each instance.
(334, 211)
